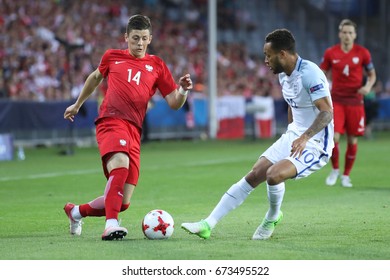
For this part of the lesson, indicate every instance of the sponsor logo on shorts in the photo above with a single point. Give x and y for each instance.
(122, 142)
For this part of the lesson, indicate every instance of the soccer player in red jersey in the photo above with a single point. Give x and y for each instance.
(133, 78)
(347, 63)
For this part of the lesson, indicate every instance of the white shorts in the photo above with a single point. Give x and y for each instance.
(314, 156)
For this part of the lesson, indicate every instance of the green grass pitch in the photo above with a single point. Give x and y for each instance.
(187, 179)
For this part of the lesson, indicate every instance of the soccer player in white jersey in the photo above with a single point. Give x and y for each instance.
(304, 148)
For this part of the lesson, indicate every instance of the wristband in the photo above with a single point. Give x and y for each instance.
(182, 91)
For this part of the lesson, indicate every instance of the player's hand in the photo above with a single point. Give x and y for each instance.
(185, 82)
(298, 146)
(363, 90)
(70, 112)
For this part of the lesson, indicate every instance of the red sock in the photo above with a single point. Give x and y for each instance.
(93, 208)
(335, 156)
(350, 157)
(114, 192)
(124, 207)
(87, 210)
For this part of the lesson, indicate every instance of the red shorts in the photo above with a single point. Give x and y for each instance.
(349, 119)
(117, 135)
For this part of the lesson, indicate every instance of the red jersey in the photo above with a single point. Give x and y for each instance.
(131, 83)
(347, 72)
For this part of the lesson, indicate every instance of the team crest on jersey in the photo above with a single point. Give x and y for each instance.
(149, 68)
(355, 59)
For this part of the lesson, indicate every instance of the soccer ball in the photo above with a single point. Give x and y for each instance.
(158, 224)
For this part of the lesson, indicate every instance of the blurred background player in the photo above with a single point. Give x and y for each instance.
(302, 150)
(345, 63)
(133, 78)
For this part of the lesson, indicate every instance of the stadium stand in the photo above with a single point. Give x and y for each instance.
(48, 47)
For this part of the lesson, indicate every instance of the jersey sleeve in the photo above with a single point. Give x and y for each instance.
(104, 64)
(315, 83)
(367, 61)
(165, 82)
(325, 61)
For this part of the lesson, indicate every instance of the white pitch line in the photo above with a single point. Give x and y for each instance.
(200, 163)
(150, 167)
(50, 175)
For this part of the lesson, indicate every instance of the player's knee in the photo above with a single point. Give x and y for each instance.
(274, 177)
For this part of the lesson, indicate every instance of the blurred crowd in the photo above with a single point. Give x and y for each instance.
(48, 48)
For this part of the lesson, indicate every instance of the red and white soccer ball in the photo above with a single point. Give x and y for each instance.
(158, 224)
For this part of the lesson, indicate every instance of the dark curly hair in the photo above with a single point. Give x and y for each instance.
(281, 39)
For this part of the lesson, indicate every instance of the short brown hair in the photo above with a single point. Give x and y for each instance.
(347, 22)
(139, 22)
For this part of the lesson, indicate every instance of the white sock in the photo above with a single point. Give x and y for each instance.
(75, 213)
(112, 223)
(233, 198)
(275, 198)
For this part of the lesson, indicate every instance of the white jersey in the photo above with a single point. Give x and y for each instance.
(306, 84)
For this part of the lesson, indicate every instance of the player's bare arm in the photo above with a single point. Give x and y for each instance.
(324, 117)
(371, 79)
(93, 80)
(177, 97)
(328, 74)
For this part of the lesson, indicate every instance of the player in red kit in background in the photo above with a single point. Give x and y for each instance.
(347, 63)
(133, 77)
